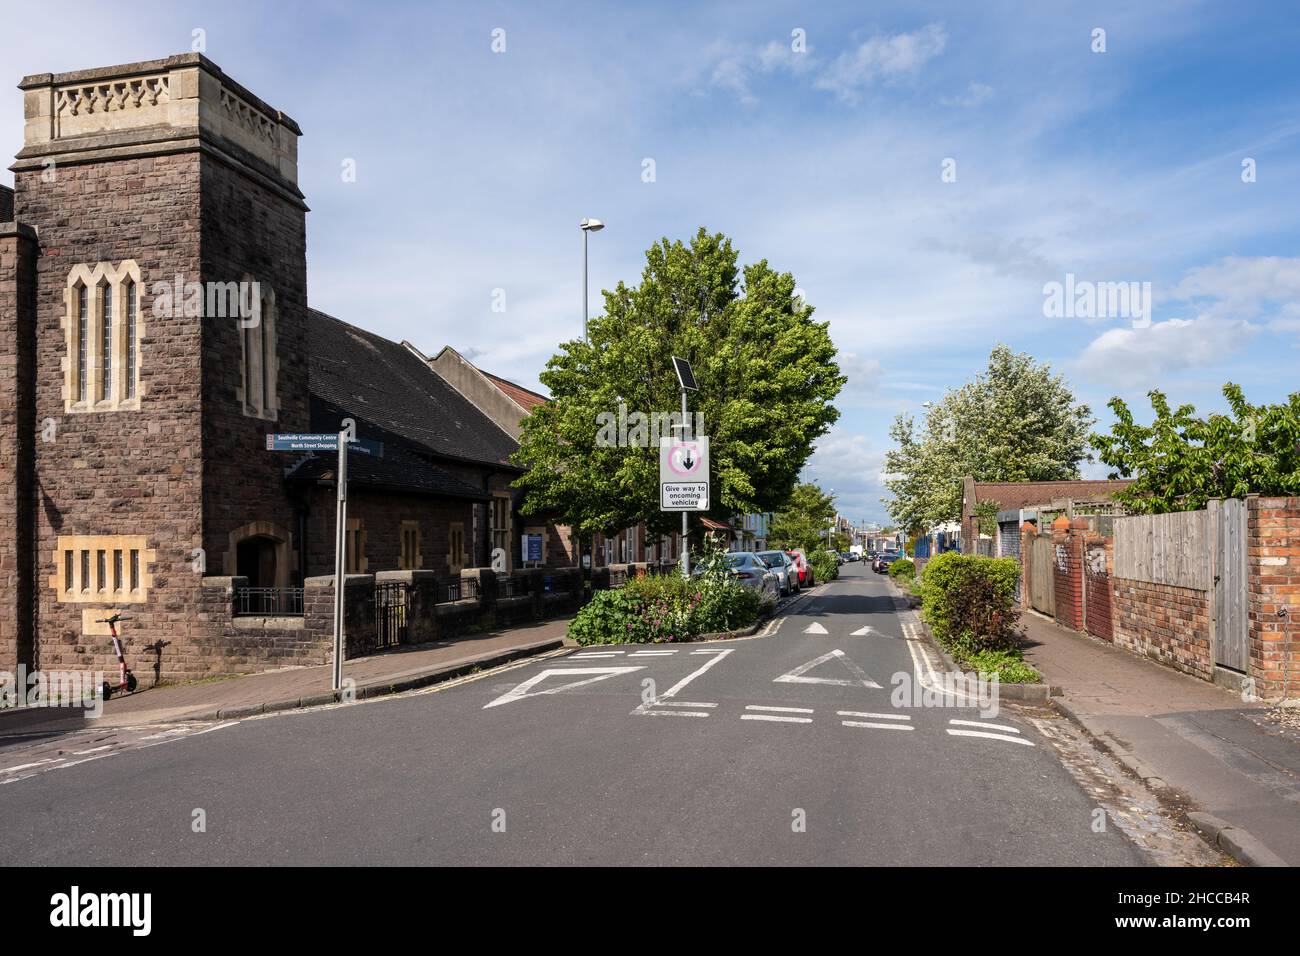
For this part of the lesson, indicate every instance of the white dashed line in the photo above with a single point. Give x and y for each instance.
(873, 726)
(980, 723)
(682, 703)
(862, 713)
(780, 710)
(778, 718)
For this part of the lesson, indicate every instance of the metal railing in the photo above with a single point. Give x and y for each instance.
(268, 602)
(462, 589)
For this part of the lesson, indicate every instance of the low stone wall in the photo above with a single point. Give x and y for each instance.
(1166, 623)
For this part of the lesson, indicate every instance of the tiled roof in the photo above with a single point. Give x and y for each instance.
(359, 374)
(1023, 494)
(525, 399)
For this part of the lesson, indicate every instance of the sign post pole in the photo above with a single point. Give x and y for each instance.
(686, 541)
(340, 555)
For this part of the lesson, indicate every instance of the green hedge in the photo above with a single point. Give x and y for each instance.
(969, 602)
(902, 568)
(666, 608)
(824, 566)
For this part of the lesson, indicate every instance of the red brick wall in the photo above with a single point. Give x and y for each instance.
(1273, 569)
(1097, 562)
(1068, 573)
(1166, 623)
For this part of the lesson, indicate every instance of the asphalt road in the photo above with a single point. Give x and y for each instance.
(776, 749)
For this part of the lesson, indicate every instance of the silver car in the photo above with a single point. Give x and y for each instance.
(787, 578)
(751, 571)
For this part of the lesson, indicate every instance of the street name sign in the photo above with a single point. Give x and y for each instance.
(684, 474)
(326, 441)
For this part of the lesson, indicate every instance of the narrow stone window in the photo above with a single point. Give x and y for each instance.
(131, 345)
(106, 344)
(101, 566)
(67, 571)
(135, 570)
(85, 570)
(83, 329)
(117, 570)
(92, 568)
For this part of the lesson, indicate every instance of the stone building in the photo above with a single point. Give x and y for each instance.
(154, 329)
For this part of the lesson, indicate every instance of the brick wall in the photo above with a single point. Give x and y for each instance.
(1097, 562)
(1166, 623)
(1273, 570)
(1067, 546)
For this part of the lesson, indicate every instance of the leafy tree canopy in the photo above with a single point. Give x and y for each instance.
(767, 379)
(1181, 460)
(1015, 422)
(804, 520)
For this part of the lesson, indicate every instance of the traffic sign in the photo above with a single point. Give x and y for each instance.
(684, 474)
(326, 441)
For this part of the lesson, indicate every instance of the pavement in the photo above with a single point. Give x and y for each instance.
(1235, 764)
(239, 696)
(826, 738)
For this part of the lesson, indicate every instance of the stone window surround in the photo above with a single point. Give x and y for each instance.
(82, 592)
(355, 543)
(286, 558)
(457, 559)
(406, 527)
(269, 380)
(101, 276)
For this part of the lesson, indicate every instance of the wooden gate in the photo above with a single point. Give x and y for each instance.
(1230, 618)
(1042, 575)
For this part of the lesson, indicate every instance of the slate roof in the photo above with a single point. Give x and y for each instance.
(398, 470)
(359, 374)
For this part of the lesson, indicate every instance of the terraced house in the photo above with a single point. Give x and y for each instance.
(155, 328)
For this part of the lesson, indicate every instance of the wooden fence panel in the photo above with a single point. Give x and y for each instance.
(1174, 549)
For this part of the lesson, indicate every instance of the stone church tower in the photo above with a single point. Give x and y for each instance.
(153, 309)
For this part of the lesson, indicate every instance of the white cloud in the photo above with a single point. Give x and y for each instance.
(1244, 287)
(1134, 356)
(883, 57)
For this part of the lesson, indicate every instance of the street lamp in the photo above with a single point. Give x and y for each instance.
(587, 225)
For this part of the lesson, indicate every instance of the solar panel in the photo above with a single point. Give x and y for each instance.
(685, 377)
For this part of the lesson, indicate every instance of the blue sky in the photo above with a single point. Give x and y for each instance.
(474, 169)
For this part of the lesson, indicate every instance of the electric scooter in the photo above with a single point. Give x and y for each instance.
(127, 682)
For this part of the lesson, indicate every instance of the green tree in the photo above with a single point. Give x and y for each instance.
(767, 379)
(1015, 422)
(1180, 460)
(804, 520)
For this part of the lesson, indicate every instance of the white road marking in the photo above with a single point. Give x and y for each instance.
(860, 678)
(861, 713)
(867, 723)
(652, 653)
(520, 692)
(780, 710)
(979, 733)
(814, 628)
(980, 723)
(92, 750)
(712, 651)
(26, 766)
(863, 631)
(583, 657)
(777, 718)
(173, 732)
(682, 703)
(671, 692)
(672, 713)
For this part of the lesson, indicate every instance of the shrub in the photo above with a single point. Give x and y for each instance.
(824, 566)
(902, 568)
(663, 608)
(969, 602)
(1009, 666)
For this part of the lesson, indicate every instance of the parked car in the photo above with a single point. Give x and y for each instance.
(883, 561)
(782, 566)
(750, 570)
(802, 566)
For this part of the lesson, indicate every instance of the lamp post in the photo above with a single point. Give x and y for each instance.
(587, 225)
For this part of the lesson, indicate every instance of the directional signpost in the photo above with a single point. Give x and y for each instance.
(684, 465)
(342, 443)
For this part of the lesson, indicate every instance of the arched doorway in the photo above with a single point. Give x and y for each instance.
(256, 560)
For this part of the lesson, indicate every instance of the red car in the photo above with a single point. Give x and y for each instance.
(803, 567)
